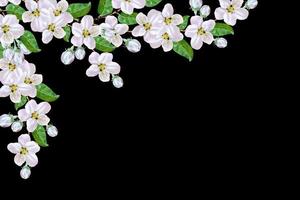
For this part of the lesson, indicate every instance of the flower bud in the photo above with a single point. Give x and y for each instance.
(5, 121)
(205, 11)
(251, 4)
(80, 53)
(221, 42)
(67, 57)
(25, 172)
(52, 131)
(196, 4)
(134, 46)
(17, 126)
(117, 81)
(24, 49)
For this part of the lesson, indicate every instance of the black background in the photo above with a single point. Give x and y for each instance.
(170, 118)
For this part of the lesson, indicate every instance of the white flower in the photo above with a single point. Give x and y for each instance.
(25, 151)
(36, 14)
(5, 2)
(10, 66)
(103, 66)
(171, 20)
(6, 121)
(85, 32)
(59, 9)
(200, 32)
(231, 11)
(15, 88)
(10, 29)
(112, 31)
(53, 27)
(133, 45)
(35, 114)
(148, 25)
(67, 57)
(165, 39)
(30, 78)
(127, 6)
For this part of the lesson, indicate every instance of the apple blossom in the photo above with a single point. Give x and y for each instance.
(10, 29)
(127, 6)
(5, 2)
(53, 27)
(58, 9)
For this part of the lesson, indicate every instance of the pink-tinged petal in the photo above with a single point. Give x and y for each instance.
(208, 38)
(167, 45)
(95, 31)
(47, 36)
(27, 90)
(89, 42)
(63, 5)
(77, 29)
(230, 19)
(111, 20)
(241, 13)
(37, 79)
(43, 120)
(127, 8)
(7, 38)
(117, 40)
(59, 33)
(4, 91)
(31, 5)
(209, 25)
(31, 160)
(77, 41)
(43, 108)
(92, 71)
(191, 31)
(23, 139)
(177, 19)
(219, 13)
(104, 76)
(23, 115)
(196, 20)
(27, 17)
(150, 38)
(138, 31)
(113, 68)
(31, 125)
(141, 19)
(116, 4)
(15, 97)
(138, 3)
(14, 148)
(32, 147)
(105, 58)
(87, 22)
(224, 3)
(121, 28)
(10, 20)
(155, 44)
(168, 10)
(37, 25)
(31, 106)
(196, 43)
(237, 3)
(67, 18)
(19, 159)
(17, 30)
(94, 58)
(155, 16)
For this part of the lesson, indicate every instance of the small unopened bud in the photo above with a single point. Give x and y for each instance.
(251, 4)
(134, 46)
(67, 57)
(52, 131)
(6, 121)
(205, 11)
(117, 81)
(25, 172)
(17, 126)
(80, 53)
(221, 42)
(196, 4)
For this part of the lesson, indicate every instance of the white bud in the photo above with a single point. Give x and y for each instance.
(24, 49)
(25, 172)
(205, 11)
(196, 4)
(117, 81)
(80, 53)
(67, 57)
(134, 46)
(221, 42)
(251, 4)
(5, 121)
(17, 126)
(52, 131)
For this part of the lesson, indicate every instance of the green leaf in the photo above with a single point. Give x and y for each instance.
(105, 7)
(24, 100)
(67, 29)
(152, 3)
(45, 93)
(15, 10)
(79, 9)
(222, 29)
(184, 49)
(1, 51)
(30, 42)
(40, 137)
(185, 22)
(103, 45)
(127, 19)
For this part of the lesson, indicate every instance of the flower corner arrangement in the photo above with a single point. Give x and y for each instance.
(118, 23)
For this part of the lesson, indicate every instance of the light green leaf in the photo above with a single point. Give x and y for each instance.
(30, 42)
(40, 137)
(67, 29)
(45, 93)
(222, 29)
(1, 51)
(78, 10)
(105, 7)
(185, 22)
(152, 3)
(24, 100)
(127, 19)
(15, 10)
(184, 49)
(103, 45)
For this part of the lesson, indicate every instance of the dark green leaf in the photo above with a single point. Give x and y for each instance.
(45, 93)
(15, 10)
(184, 49)
(185, 22)
(105, 7)
(1, 51)
(222, 29)
(40, 137)
(78, 10)
(67, 29)
(152, 3)
(103, 45)
(30, 42)
(24, 100)
(127, 19)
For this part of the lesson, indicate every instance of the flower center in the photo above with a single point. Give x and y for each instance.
(28, 81)
(35, 115)
(51, 27)
(201, 31)
(23, 151)
(102, 67)
(230, 9)
(36, 13)
(5, 28)
(11, 67)
(128, 1)
(13, 88)
(168, 20)
(165, 36)
(147, 26)
(57, 12)
(86, 33)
